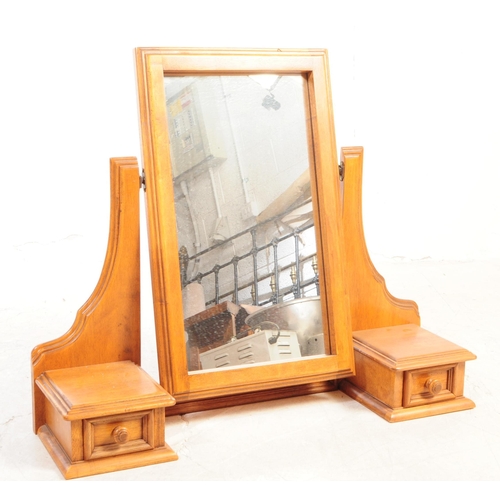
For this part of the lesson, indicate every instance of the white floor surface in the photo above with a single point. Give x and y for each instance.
(319, 437)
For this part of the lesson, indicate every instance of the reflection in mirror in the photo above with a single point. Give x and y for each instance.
(240, 153)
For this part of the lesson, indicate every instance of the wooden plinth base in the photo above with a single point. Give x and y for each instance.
(72, 470)
(401, 414)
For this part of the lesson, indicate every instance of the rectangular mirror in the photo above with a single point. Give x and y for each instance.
(244, 223)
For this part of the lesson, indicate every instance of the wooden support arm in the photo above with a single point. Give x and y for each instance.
(372, 306)
(107, 326)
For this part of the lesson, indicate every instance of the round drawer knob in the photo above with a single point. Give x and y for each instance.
(433, 386)
(120, 435)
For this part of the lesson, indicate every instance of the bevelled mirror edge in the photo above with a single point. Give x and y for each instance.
(152, 65)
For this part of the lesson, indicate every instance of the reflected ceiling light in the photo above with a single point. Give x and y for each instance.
(269, 83)
(270, 102)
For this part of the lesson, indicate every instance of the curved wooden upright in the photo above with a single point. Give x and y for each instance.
(372, 306)
(107, 326)
(402, 371)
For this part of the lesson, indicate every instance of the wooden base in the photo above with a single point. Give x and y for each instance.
(71, 470)
(405, 372)
(401, 414)
(183, 407)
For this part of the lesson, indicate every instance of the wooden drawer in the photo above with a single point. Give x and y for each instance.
(117, 434)
(429, 385)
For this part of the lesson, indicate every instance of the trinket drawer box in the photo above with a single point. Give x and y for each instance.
(103, 418)
(405, 372)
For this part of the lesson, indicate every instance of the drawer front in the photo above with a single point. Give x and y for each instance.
(118, 434)
(429, 385)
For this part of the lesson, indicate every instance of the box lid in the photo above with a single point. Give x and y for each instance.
(103, 389)
(408, 346)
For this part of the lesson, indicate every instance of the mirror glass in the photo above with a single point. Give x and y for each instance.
(241, 157)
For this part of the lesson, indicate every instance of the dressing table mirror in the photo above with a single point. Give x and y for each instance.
(263, 287)
(244, 224)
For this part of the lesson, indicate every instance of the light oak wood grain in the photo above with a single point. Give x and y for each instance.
(371, 303)
(103, 418)
(107, 326)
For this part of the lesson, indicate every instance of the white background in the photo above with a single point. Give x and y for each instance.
(415, 83)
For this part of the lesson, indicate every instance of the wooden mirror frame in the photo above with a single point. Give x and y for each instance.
(207, 389)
